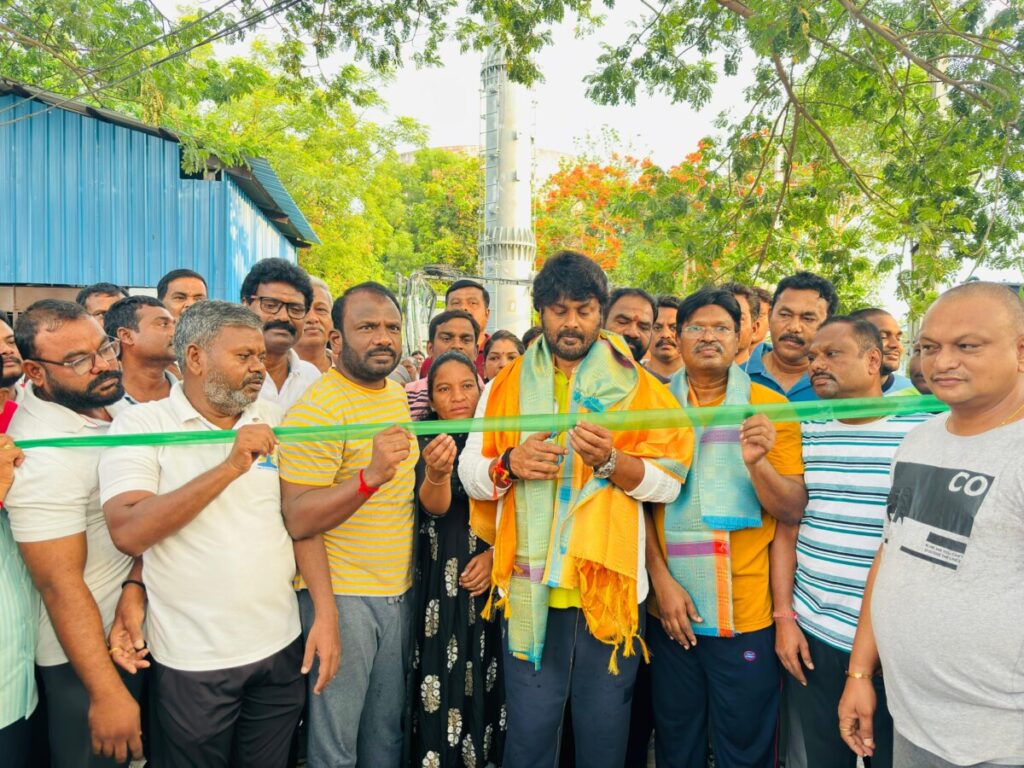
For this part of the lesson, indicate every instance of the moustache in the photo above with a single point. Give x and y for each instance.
(667, 343)
(570, 335)
(822, 375)
(102, 378)
(284, 325)
(709, 345)
(382, 351)
(253, 378)
(792, 337)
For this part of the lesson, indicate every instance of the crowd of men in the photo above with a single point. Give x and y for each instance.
(194, 603)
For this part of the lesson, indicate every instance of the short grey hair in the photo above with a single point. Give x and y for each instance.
(200, 324)
(318, 283)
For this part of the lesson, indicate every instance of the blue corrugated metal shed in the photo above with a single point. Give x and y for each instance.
(89, 195)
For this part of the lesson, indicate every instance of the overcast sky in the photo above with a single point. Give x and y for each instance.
(447, 101)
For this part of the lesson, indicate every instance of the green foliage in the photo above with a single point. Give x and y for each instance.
(698, 222)
(881, 136)
(894, 128)
(374, 214)
(436, 195)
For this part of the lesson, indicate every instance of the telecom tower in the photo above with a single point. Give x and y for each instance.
(507, 247)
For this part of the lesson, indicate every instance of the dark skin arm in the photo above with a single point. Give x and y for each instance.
(126, 639)
(435, 491)
(859, 700)
(139, 519)
(675, 606)
(784, 497)
(57, 567)
(309, 510)
(790, 644)
(324, 640)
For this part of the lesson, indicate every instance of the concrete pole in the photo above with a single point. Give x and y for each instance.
(507, 248)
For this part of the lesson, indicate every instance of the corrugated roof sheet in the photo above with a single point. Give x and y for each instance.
(84, 199)
(258, 182)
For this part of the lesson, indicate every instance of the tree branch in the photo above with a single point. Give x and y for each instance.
(790, 150)
(896, 42)
(798, 105)
(996, 192)
(736, 7)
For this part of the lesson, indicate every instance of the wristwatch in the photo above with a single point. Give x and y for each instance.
(607, 469)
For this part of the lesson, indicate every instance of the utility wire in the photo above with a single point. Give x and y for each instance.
(244, 24)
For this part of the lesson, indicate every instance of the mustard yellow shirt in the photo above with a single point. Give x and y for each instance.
(370, 554)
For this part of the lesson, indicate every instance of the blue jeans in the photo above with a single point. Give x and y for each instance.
(731, 682)
(358, 717)
(574, 664)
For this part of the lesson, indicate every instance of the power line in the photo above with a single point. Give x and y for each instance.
(155, 40)
(244, 24)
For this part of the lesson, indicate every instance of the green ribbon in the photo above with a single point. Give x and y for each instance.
(721, 416)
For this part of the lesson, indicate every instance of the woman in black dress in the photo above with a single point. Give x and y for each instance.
(458, 698)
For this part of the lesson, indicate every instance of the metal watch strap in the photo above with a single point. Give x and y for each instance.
(607, 469)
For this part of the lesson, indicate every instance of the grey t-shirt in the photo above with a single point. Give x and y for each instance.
(948, 600)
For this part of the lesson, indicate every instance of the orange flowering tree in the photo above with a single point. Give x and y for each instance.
(712, 217)
(580, 208)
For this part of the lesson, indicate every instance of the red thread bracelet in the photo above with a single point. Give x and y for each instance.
(366, 490)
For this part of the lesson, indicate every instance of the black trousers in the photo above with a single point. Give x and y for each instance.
(67, 704)
(728, 685)
(243, 716)
(816, 705)
(16, 744)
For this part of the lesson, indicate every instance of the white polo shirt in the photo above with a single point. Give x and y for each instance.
(220, 589)
(56, 494)
(300, 375)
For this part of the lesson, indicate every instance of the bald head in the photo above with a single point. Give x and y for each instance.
(972, 350)
(993, 295)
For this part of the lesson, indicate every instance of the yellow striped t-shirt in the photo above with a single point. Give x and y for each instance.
(370, 554)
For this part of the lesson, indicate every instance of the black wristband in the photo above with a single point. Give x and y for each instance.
(506, 462)
(136, 582)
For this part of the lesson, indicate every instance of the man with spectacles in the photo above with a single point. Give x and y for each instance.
(708, 554)
(85, 583)
(281, 295)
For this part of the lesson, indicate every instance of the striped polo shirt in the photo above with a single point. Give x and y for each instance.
(846, 469)
(370, 554)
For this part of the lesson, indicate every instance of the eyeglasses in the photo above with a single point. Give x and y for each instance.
(83, 364)
(718, 331)
(273, 306)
